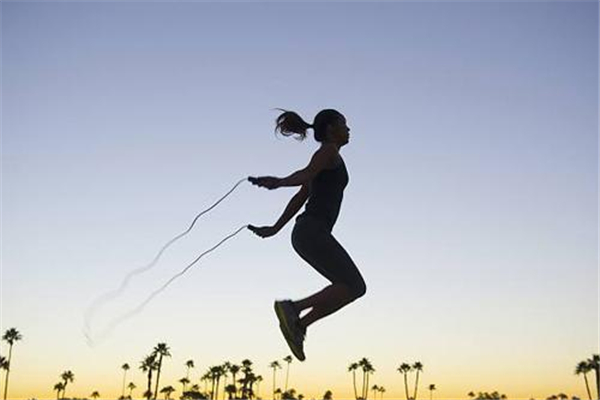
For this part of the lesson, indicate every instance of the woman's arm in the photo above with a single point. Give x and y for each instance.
(323, 158)
(292, 208)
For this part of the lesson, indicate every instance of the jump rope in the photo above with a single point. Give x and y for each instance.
(91, 336)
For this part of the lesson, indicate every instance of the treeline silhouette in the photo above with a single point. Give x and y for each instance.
(233, 381)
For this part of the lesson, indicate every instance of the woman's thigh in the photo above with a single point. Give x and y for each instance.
(324, 253)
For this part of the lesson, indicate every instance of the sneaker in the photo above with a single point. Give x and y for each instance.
(289, 323)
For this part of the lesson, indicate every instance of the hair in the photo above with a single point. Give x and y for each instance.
(289, 123)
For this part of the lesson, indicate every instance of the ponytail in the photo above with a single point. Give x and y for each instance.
(290, 123)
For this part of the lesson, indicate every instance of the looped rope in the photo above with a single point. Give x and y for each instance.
(103, 299)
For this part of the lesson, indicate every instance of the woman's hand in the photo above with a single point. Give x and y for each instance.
(269, 182)
(263, 231)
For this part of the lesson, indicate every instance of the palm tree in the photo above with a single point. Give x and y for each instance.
(209, 376)
(382, 391)
(195, 387)
(167, 390)
(3, 363)
(231, 390)
(471, 394)
(368, 369)
(259, 379)
(67, 376)
(417, 367)
(161, 350)
(189, 364)
(184, 382)
(277, 392)
(375, 389)
(361, 363)
(582, 369)
(216, 373)
(288, 360)
(234, 369)
(594, 363)
(289, 394)
(252, 379)
(95, 394)
(131, 386)
(148, 365)
(352, 368)
(247, 379)
(404, 369)
(59, 387)
(327, 396)
(226, 366)
(275, 365)
(562, 396)
(205, 378)
(125, 368)
(11, 336)
(431, 389)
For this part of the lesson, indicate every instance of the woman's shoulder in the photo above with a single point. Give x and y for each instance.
(331, 152)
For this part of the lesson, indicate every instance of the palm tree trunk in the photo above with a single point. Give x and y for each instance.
(158, 376)
(287, 375)
(7, 371)
(587, 386)
(273, 383)
(234, 384)
(367, 388)
(354, 384)
(362, 394)
(406, 384)
(149, 382)
(416, 385)
(597, 370)
(123, 391)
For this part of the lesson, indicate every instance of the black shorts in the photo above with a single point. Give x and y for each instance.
(313, 241)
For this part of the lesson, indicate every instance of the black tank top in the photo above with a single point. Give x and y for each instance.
(326, 192)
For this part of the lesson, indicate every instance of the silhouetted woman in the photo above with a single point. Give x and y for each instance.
(322, 183)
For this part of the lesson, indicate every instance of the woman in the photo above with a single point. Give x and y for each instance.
(322, 183)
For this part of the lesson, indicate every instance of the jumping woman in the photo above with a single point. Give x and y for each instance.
(322, 184)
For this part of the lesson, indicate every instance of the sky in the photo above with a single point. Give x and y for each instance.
(472, 207)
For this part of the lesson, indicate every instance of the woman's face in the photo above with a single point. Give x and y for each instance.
(338, 132)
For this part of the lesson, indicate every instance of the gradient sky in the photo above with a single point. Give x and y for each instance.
(472, 208)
